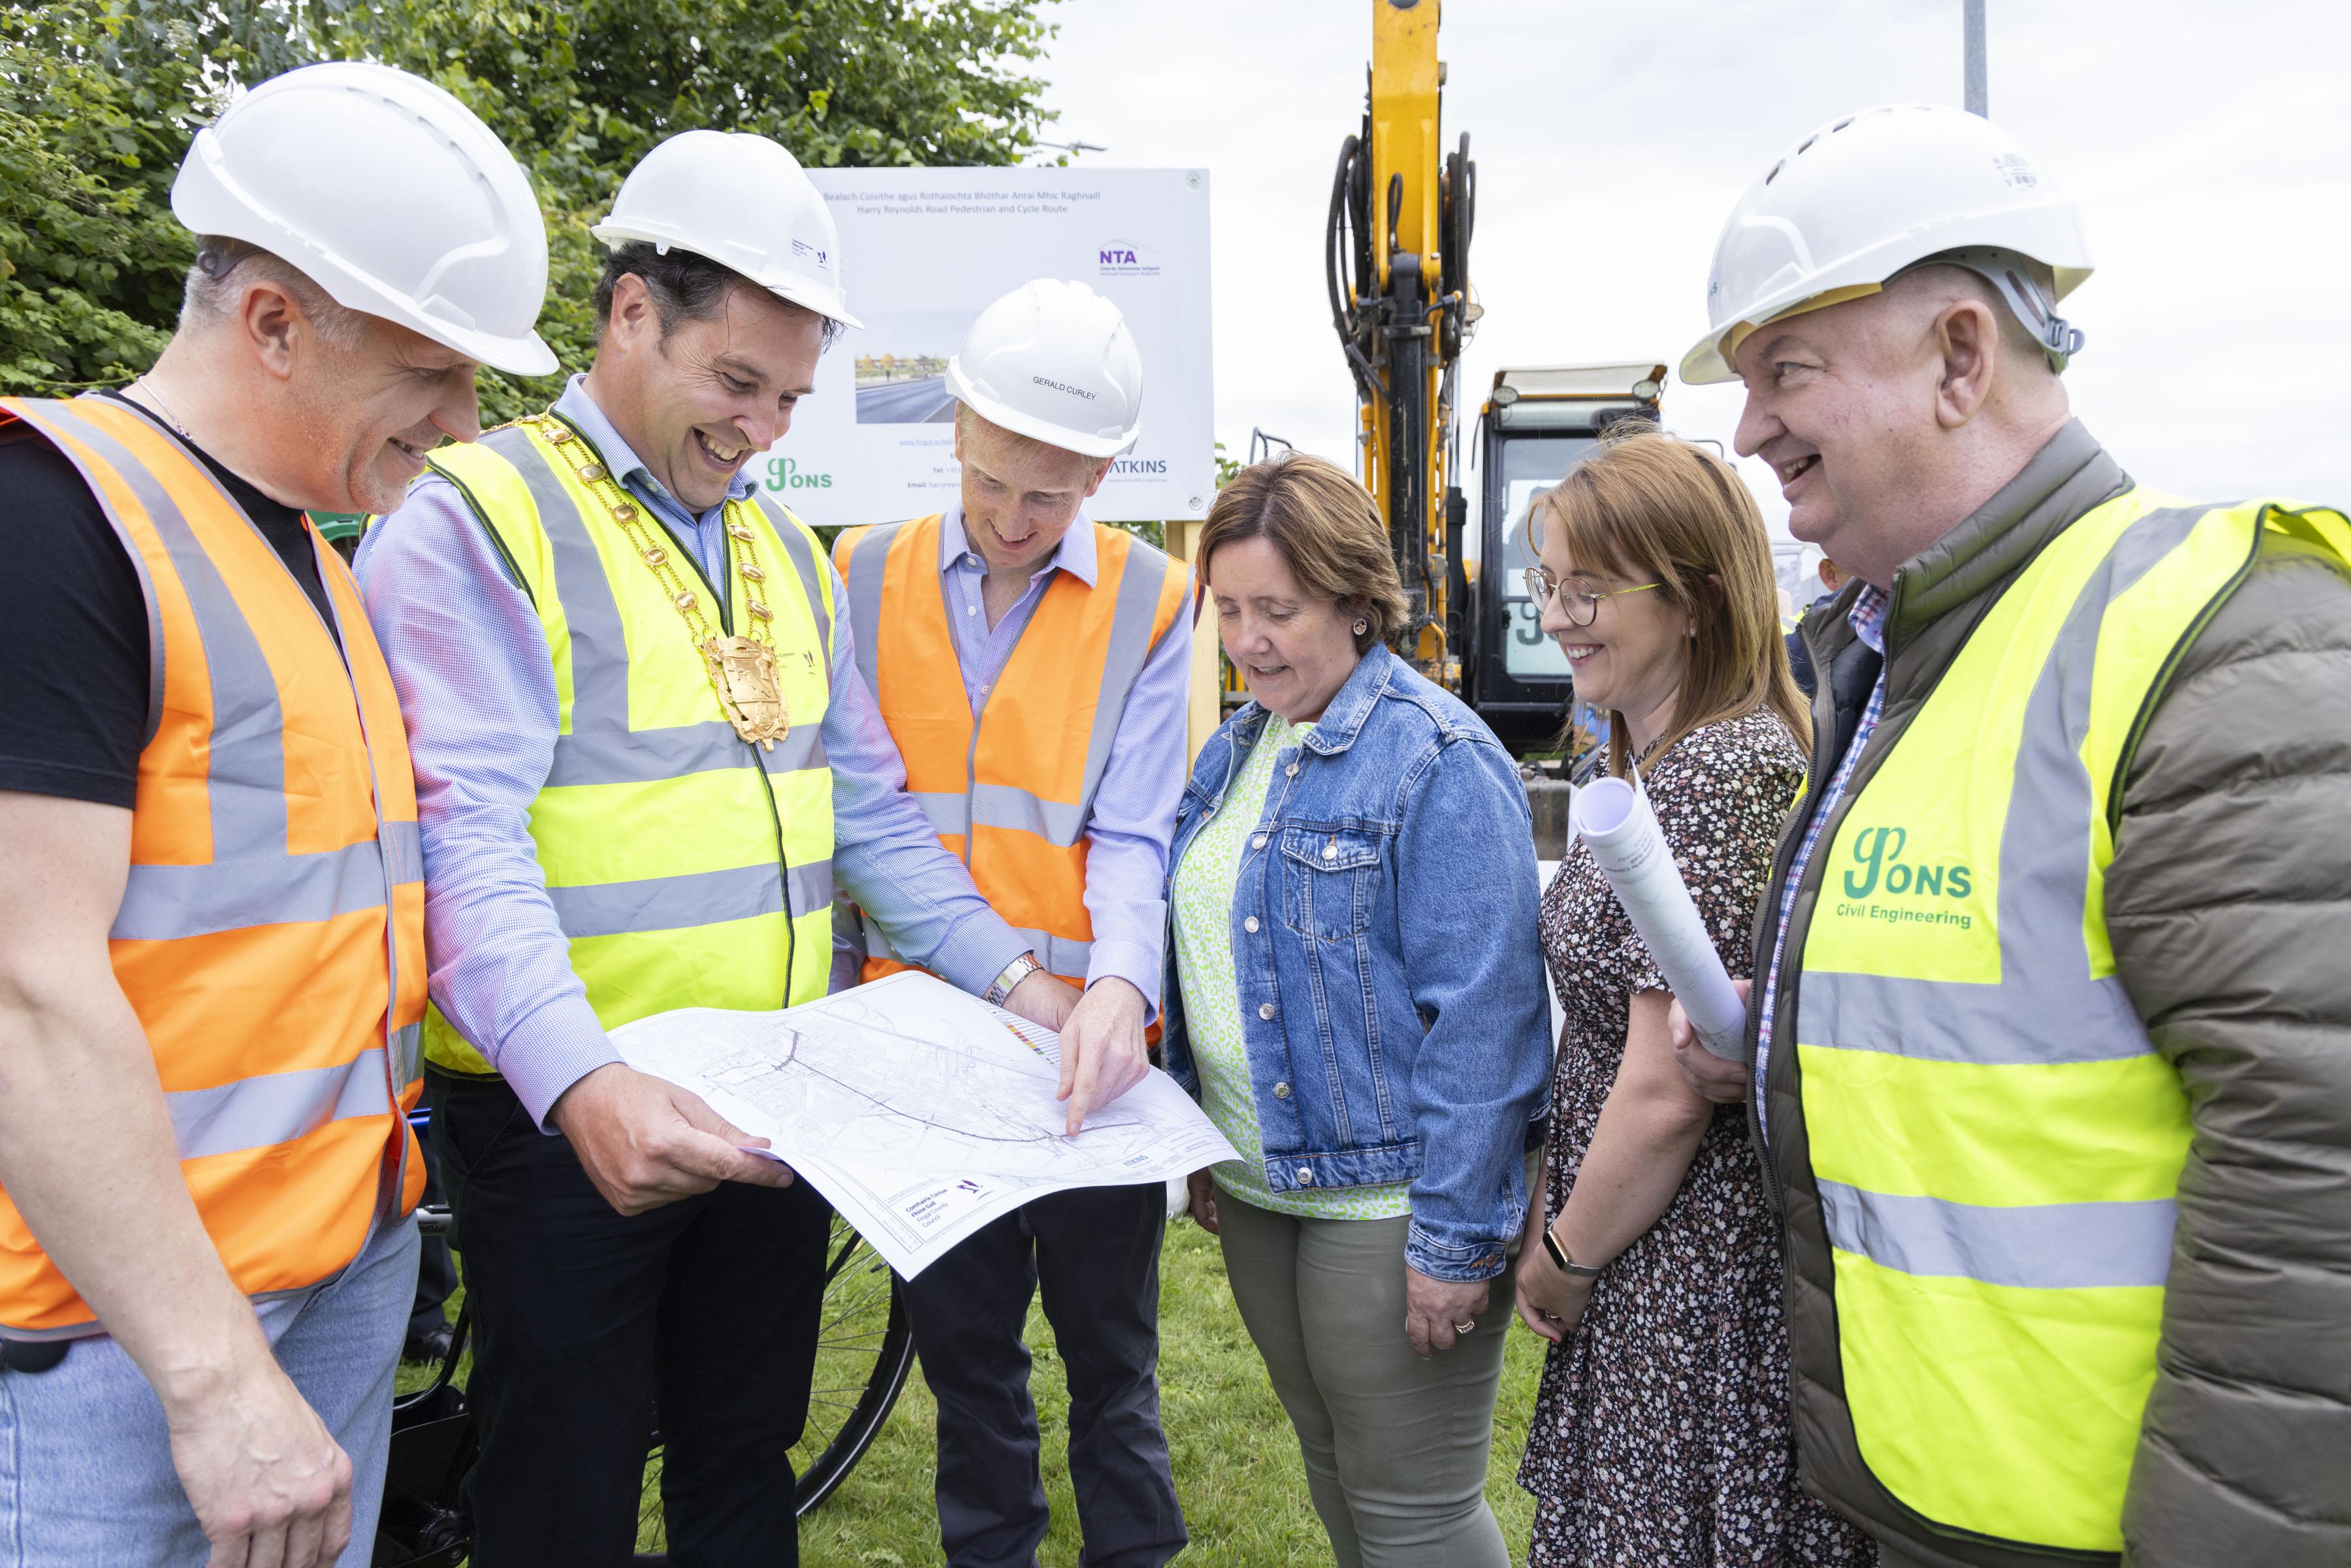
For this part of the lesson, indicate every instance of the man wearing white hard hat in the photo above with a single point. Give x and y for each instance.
(2050, 1067)
(211, 944)
(645, 759)
(1053, 767)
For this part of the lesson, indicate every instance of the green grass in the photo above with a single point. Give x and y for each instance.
(1235, 1458)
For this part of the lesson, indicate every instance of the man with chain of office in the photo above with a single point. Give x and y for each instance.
(643, 756)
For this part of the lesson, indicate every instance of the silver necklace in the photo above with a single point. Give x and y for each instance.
(162, 406)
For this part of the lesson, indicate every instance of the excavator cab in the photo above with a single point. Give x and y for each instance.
(1536, 424)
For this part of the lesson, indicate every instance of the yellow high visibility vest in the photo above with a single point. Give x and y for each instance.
(688, 866)
(1995, 1143)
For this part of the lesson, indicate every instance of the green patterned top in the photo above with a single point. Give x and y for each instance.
(1205, 884)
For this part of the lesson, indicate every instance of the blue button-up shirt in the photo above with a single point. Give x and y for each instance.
(478, 692)
(1133, 812)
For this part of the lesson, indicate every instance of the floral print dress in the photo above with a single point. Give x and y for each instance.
(1661, 1436)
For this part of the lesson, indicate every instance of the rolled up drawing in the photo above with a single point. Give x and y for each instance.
(1616, 820)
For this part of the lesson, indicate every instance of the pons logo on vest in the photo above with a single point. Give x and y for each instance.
(783, 474)
(1879, 870)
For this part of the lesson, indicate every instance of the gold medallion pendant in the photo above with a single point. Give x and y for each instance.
(744, 673)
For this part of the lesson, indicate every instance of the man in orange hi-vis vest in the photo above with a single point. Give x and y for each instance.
(1052, 767)
(212, 935)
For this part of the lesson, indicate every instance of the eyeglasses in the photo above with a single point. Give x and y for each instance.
(1581, 603)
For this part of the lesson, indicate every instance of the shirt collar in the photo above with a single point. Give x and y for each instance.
(580, 409)
(1075, 554)
(1867, 614)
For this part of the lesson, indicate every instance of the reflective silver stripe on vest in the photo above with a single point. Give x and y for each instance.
(1004, 806)
(650, 756)
(404, 1044)
(38, 411)
(806, 564)
(1059, 954)
(2044, 1247)
(943, 811)
(600, 649)
(691, 899)
(868, 563)
(276, 1107)
(2046, 1007)
(1130, 650)
(164, 901)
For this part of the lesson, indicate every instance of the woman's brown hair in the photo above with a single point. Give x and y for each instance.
(1328, 529)
(1648, 506)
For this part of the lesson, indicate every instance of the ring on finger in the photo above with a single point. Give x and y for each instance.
(1465, 1328)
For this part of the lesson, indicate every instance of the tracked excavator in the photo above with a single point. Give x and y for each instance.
(1402, 210)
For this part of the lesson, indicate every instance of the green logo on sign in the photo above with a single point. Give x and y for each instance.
(784, 473)
(1878, 851)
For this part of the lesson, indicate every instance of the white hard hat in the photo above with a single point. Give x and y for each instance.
(388, 193)
(744, 203)
(1054, 361)
(1864, 197)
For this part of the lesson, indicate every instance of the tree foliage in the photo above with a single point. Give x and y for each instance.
(99, 99)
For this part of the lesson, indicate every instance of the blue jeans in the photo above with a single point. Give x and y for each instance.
(86, 1474)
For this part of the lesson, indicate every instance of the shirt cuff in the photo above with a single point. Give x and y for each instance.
(548, 1051)
(975, 952)
(1135, 964)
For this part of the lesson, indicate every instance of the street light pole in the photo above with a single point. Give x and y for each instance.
(1977, 93)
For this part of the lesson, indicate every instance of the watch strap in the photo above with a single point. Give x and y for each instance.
(1567, 1264)
(1015, 972)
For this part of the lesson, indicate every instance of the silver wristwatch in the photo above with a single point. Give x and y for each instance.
(1015, 972)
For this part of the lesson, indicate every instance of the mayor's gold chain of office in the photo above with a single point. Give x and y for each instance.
(742, 670)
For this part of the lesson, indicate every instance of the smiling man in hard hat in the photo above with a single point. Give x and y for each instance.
(211, 944)
(2052, 1056)
(1053, 766)
(644, 756)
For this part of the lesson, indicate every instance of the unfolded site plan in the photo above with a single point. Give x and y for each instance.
(920, 1111)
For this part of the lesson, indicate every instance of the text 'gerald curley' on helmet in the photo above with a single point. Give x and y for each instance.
(1866, 196)
(388, 193)
(1053, 360)
(744, 202)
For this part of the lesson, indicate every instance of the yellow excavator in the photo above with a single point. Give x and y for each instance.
(1397, 267)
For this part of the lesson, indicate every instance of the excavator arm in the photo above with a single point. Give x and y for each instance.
(1397, 271)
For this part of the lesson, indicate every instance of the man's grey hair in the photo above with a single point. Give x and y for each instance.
(223, 267)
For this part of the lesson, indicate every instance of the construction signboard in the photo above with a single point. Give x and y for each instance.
(924, 251)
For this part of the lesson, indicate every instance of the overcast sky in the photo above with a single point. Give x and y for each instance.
(2210, 146)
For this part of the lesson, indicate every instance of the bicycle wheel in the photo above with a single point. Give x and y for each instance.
(865, 1347)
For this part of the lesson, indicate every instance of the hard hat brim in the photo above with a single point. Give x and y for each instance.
(1030, 425)
(785, 285)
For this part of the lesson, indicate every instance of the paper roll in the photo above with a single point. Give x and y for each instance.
(1626, 843)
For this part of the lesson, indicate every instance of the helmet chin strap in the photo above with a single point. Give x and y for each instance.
(2014, 277)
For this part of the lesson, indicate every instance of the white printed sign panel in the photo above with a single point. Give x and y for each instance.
(924, 251)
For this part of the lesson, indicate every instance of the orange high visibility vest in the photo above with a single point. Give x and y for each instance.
(271, 937)
(1012, 799)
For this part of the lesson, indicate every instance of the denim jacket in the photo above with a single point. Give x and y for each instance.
(1387, 962)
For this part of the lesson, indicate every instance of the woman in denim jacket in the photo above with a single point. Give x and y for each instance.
(1355, 995)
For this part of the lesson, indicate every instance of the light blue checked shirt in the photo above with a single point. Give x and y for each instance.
(1868, 618)
(469, 659)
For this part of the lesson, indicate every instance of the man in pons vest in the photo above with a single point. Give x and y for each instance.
(644, 756)
(1051, 767)
(2051, 1067)
(212, 940)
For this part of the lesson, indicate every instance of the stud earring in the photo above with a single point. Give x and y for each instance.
(1362, 625)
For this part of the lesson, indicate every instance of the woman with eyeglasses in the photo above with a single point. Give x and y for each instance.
(1651, 1260)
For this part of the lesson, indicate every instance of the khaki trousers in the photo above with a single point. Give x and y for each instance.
(1395, 1446)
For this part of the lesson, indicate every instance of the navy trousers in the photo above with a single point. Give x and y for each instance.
(584, 1322)
(1095, 1253)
